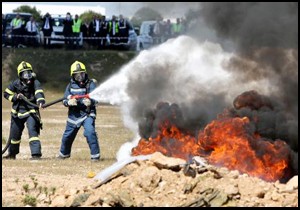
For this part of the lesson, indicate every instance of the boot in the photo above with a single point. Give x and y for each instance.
(60, 157)
(35, 157)
(95, 159)
(9, 156)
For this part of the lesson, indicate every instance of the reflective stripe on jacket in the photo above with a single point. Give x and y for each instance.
(32, 92)
(77, 114)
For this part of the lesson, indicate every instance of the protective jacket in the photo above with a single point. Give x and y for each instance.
(22, 113)
(34, 93)
(77, 114)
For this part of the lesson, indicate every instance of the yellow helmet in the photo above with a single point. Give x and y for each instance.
(24, 66)
(77, 67)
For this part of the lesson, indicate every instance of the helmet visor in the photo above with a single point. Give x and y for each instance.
(26, 75)
(79, 77)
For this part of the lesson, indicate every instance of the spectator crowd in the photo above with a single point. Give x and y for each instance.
(101, 33)
(163, 30)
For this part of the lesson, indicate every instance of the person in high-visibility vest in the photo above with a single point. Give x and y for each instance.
(16, 25)
(123, 29)
(76, 30)
(177, 28)
(113, 30)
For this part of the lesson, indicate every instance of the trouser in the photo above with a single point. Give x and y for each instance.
(89, 132)
(98, 39)
(76, 40)
(32, 39)
(47, 36)
(157, 39)
(114, 39)
(16, 39)
(123, 36)
(69, 41)
(103, 39)
(16, 129)
(93, 40)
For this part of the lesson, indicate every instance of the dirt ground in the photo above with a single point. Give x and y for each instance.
(23, 178)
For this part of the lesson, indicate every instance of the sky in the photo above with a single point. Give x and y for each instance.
(107, 8)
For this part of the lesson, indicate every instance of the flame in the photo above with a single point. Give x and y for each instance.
(231, 144)
(227, 141)
(171, 142)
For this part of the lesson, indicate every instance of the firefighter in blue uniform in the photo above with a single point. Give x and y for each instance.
(82, 112)
(22, 112)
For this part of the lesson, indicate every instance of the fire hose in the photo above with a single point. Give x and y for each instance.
(53, 102)
(43, 106)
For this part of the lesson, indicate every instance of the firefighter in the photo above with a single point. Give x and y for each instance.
(81, 112)
(22, 112)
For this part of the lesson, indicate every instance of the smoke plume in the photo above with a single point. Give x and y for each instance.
(203, 76)
(265, 36)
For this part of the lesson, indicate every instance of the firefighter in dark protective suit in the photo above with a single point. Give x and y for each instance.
(22, 112)
(82, 112)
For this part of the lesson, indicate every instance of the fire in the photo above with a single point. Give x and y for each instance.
(230, 141)
(170, 142)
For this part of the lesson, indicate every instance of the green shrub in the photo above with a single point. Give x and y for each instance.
(52, 67)
(29, 200)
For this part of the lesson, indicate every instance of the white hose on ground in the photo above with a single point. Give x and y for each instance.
(105, 174)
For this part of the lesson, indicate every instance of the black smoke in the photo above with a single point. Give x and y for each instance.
(264, 39)
(254, 25)
(268, 120)
(263, 36)
(266, 35)
(265, 118)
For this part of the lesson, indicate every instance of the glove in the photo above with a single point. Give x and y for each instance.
(72, 102)
(20, 95)
(86, 102)
(41, 105)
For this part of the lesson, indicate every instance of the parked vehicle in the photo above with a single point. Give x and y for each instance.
(8, 18)
(132, 40)
(144, 39)
(131, 43)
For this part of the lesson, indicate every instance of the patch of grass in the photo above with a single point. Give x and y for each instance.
(45, 189)
(30, 200)
(26, 188)
(53, 66)
(52, 190)
(40, 189)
